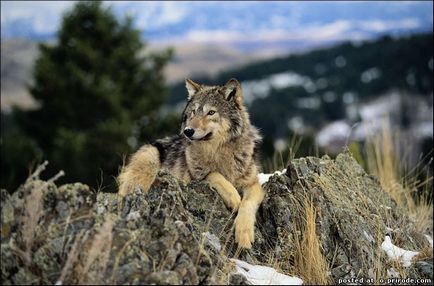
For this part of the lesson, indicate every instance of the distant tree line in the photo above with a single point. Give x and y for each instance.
(402, 64)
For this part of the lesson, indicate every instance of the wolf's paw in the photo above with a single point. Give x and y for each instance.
(234, 201)
(125, 189)
(244, 230)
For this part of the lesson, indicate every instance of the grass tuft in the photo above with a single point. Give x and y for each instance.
(310, 263)
(384, 159)
(99, 252)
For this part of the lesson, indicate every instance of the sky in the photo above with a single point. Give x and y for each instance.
(234, 21)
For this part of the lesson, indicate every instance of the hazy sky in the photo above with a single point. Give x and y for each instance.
(229, 20)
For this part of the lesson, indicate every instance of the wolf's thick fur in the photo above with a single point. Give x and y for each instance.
(217, 143)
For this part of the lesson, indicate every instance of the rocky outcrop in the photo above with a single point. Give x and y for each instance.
(183, 234)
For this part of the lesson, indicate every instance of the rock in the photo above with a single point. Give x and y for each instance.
(353, 215)
(425, 269)
(156, 237)
(183, 234)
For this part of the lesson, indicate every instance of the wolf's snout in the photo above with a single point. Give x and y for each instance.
(188, 132)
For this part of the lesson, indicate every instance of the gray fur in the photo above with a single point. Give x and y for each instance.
(220, 145)
(241, 141)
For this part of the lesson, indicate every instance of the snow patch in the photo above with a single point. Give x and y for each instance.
(340, 61)
(263, 275)
(429, 239)
(370, 74)
(263, 178)
(424, 129)
(380, 107)
(368, 237)
(392, 273)
(396, 253)
(296, 124)
(253, 89)
(338, 130)
(372, 114)
(213, 240)
(329, 96)
(308, 102)
(283, 80)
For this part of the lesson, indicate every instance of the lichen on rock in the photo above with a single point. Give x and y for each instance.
(353, 215)
(183, 234)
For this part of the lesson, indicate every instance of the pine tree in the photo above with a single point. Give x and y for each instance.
(93, 85)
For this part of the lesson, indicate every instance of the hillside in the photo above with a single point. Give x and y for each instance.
(366, 69)
(323, 220)
(193, 59)
(328, 91)
(18, 56)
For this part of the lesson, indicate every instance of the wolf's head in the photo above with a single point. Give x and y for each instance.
(213, 112)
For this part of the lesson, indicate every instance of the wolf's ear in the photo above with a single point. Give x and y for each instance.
(232, 91)
(192, 87)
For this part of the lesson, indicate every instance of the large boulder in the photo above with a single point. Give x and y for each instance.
(183, 234)
(353, 217)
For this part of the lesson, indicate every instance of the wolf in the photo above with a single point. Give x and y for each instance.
(216, 143)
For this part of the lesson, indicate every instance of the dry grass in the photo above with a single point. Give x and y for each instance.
(33, 207)
(33, 212)
(381, 266)
(98, 253)
(384, 160)
(72, 258)
(310, 263)
(118, 258)
(424, 254)
(280, 160)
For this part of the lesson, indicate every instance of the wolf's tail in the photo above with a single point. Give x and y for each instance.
(140, 171)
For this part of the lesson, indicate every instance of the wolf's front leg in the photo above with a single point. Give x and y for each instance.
(140, 171)
(225, 189)
(245, 221)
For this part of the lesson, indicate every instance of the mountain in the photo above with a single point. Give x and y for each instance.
(245, 25)
(17, 57)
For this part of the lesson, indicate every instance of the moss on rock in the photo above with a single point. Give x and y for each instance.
(183, 234)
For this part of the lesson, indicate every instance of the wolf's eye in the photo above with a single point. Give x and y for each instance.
(211, 112)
